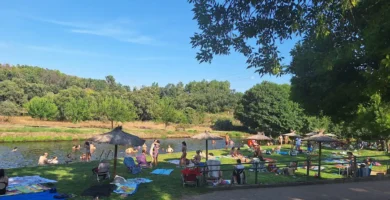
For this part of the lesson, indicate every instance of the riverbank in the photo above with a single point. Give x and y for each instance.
(75, 178)
(27, 129)
(17, 133)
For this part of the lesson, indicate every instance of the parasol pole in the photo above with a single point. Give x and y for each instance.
(319, 162)
(207, 151)
(115, 156)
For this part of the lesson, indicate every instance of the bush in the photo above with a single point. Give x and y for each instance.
(223, 125)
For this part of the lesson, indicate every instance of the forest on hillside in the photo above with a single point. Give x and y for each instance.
(52, 95)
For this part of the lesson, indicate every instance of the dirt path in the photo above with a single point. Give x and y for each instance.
(379, 190)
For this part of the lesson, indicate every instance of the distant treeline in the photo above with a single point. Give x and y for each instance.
(50, 94)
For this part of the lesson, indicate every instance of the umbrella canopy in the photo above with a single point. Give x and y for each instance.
(311, 133)
(293, 134)
(331, 135)
(259, 136)
(206, 136)
(118, 137)
(320, 138)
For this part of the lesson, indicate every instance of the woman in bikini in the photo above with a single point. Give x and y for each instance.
(183, 157)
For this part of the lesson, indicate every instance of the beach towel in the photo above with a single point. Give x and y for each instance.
(126, 188)
(284, 153)
(138, 180)
(162, 171)
(175, 162)
(28, 180)
(31, 196)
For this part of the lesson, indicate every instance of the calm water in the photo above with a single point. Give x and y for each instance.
(29, 152)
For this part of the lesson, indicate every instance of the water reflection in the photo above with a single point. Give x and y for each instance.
(28, 152)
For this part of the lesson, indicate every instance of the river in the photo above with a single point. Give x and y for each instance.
(27, 153)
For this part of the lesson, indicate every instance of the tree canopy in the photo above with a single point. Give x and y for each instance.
(342, 58)
(267, 107)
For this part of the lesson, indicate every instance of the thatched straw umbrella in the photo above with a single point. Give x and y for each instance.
(320, 138)
(259, 136)
(206, 136)
(118, 137)
(311, 133)
(292, 134)
(331, 135)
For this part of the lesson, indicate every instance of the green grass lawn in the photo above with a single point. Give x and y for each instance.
(75, 178)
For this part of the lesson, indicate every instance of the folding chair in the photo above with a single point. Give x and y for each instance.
(102, 171)
(130, 164)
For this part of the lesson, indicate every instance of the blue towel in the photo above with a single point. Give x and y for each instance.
(162, 171)
(283, 153)
(31, 196)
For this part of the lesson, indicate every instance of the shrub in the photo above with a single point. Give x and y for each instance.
(223, 125)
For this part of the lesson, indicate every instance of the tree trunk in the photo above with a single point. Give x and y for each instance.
(112, 124)
(387, 145)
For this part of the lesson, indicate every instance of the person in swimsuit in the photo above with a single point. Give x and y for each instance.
(87, 151)
(227, 140)
(183, 157)
(155, 152)
(151, 151)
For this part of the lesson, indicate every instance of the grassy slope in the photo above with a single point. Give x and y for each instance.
(28, 129)
(74, 178)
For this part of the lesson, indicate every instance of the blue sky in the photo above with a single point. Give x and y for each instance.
(138, 42)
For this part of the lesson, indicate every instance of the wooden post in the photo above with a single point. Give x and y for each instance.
(115, 156)
(307, 166)
(354, 166)
(319, 162)
(256, 173)
(207, 151)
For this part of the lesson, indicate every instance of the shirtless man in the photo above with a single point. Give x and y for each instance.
(227, 140)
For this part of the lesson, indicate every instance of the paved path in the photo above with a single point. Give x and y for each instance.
(378, 190)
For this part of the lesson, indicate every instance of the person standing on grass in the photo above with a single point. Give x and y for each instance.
(151, 151)
(227, 141)
(280, 139)
(183, 157)
(155, 152)
(87, 147)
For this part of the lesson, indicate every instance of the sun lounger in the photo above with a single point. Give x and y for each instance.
(131, 166)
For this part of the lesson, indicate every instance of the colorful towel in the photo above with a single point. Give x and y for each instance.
(28, 180)
(175, 162)
(19, 189)
(162, 171)
(138, 180)
(126, 188)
